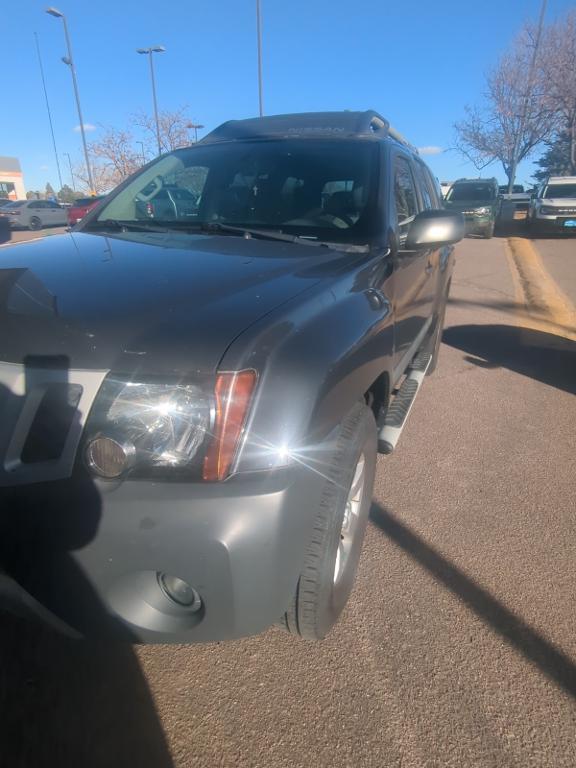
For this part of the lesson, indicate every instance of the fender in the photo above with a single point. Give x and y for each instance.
(315, 357)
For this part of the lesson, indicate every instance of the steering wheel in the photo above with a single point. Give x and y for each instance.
(156, 187)
(341, 221)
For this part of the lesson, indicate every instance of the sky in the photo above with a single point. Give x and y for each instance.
(417, 62)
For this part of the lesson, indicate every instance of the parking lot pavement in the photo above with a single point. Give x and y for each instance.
(458, 648)
(19, 235)
(559, 257)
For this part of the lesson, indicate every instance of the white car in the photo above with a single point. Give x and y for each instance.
(553, 207)
(34, 214)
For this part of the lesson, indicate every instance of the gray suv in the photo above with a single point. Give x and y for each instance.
(191, 407)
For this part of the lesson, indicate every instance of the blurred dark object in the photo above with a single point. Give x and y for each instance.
(5, 232)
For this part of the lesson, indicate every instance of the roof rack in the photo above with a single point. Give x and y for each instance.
(335, 124)
(394, 134)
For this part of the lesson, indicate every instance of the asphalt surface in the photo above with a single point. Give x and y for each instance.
(559, 257)
(19, 235)
(458, 646)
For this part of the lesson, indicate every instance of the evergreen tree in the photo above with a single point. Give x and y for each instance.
(556, 159)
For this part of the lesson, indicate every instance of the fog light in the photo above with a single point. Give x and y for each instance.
(108, 457)
(180, 592)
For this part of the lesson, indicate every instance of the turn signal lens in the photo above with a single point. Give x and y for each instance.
(233, 395)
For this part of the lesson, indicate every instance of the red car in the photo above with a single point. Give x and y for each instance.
(80, 208)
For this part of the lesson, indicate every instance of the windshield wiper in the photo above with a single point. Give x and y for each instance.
(249, 232)
(216, 227)
(273, 234)
(124, 226)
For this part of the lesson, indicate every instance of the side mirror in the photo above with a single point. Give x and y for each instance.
(5, 231)
(435, 228)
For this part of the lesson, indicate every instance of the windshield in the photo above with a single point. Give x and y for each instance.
(477, 193)
(560, 191)
(315, 188)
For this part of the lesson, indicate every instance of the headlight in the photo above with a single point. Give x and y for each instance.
(144, 427)
(481, 211)
(546, 210)
(168, 429)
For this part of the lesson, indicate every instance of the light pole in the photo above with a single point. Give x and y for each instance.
(148, 52)
(195, 127)
(259, 33)
(71, 172)
(48, 110)
(70, 62)
(143, 153)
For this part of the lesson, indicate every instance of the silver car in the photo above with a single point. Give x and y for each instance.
(553, 207)
(34, 214)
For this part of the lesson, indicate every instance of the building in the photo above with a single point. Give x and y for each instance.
(11, 180)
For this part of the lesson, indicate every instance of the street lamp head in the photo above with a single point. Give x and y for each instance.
(55, 12)
(66, 60)
(153, 49)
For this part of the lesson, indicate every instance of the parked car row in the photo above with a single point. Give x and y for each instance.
(37, 214)
(549, 208)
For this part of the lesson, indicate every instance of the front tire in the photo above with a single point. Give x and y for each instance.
(333, 552)
(35, 224)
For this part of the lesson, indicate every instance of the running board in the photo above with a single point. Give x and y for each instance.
(399, 409)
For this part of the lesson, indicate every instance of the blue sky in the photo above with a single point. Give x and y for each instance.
(417, 62)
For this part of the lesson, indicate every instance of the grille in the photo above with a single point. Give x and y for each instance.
(42, 414)
(52, 422)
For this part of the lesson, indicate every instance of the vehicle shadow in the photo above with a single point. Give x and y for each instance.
(533, 646)
(64, 701)
(542, 356)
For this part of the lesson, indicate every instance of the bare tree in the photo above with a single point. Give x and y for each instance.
(114, 155)
(514, 119)
(103, 177)
(557, 77)
(174, 125)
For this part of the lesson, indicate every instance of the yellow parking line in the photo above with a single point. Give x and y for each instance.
(546, 307)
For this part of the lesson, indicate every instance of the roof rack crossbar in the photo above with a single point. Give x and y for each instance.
(332, 123)
(394, 134)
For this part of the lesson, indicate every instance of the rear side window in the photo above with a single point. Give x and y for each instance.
(424, 186)
(433, 188)
(404, 191)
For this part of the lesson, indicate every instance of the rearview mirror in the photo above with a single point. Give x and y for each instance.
(5, 233)
(435, 228)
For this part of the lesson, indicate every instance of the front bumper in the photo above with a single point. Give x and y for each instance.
(477, 225)
(85, 556)
(553, 224)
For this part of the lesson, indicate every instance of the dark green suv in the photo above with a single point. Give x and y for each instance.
(479, 200)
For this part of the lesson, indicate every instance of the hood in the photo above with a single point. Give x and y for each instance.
(558, 202)
(167, 304)
(468, 205)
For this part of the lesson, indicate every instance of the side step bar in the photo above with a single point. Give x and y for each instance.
(399, 409)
